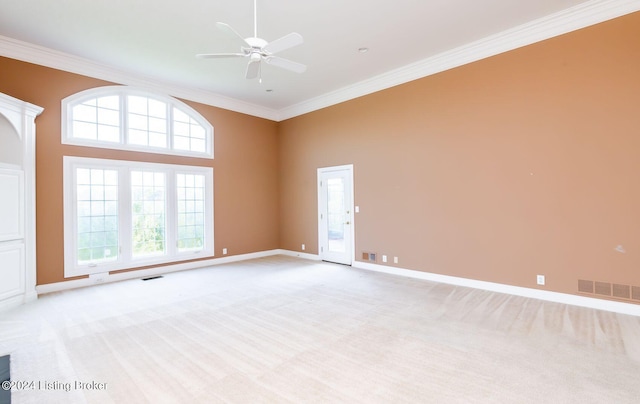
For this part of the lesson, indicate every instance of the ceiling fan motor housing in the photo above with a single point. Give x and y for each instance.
(256, 51)
(256, 43)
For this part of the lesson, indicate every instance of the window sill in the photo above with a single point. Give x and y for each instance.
(135, 264)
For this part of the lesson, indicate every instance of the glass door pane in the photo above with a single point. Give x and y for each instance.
(336, 214)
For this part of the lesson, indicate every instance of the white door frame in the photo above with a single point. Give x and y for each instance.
(350, 204)
(22, 117)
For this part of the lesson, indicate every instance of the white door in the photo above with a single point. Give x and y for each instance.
(335, 214)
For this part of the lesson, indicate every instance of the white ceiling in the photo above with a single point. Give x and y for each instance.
(155, 41)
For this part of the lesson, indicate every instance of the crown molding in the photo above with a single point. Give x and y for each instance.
(27, 52)
(571, 19)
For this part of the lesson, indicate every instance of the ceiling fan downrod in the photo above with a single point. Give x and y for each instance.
(255, 18)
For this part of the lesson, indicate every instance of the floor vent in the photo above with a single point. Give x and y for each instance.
(585, 286)
(635, 292)
(622, 291)
(603, 288)
(152, 278)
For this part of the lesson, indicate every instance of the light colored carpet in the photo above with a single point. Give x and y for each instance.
(285, 330)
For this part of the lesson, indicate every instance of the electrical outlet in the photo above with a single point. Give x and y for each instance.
(384, 258)
(224, 251)
(303, 247)
(395, 260)
(540, 279)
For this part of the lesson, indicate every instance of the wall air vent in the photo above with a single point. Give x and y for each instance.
(603, 288)
(621, 291)
(369, 256)
(585, 286)
(615, 290)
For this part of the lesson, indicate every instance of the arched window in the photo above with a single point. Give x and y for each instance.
(120, 117)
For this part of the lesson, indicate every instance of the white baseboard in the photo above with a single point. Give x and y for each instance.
(582, 301)
(144, 273)
(16, 301)
(307, 256)
(12, 302)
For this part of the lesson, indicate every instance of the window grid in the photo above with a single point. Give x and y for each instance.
(107, 187)
(148, 194)
(97, 119)
(187, 133)
(147, 121)
(97, 214)
(119, 117)
(191, 212)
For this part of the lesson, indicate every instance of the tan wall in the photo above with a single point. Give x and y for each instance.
(245, 167)
(521, 164)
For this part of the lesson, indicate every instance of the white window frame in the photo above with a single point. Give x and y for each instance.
(122, 92)
(126, 260)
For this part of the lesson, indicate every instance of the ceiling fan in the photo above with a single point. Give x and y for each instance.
(257, 49)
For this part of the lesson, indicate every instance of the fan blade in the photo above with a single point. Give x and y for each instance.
(219, 55)
(226, 28)
(286, 64)
(253, 68)
(286, 42)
